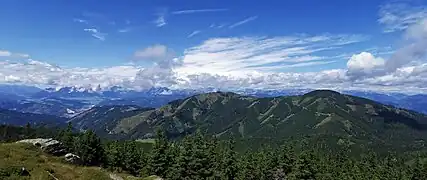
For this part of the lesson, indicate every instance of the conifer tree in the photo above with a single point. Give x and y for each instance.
(228, 168)
(67, 137)
(160, 159)
(419, 171)
(28, 130)
(306, 166)
(88, 146)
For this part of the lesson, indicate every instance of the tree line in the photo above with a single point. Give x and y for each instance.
(198, 156)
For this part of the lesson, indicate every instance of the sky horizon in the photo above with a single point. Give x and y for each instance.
(378, 45)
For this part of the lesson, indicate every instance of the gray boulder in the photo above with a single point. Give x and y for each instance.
(49, 145)
(72, 158)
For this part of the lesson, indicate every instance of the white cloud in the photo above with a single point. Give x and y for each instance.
(161, 20)
(224, 55)
(405, 64)
(193, 33)
(191, 11)
(156, 51)
(124, 30)
(21, 55)
(407, 79)
(80, 21)
(398, 16)
(364, 62)
(249, 19)
(40, 73)
(100, 36)
(92, 30)
(4, 53)
(159, 54)
(414, 47)
(96, 33)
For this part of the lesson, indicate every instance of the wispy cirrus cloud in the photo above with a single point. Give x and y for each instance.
(100, 36)
(80, 21)
(191, 11)
(217, 26)
(124, 30)
(161, 20)
(193, 33)
(96, 33)
(218, 55)
(244, 21)
(397, 16)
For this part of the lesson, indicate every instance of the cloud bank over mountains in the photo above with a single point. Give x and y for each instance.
(253, 62)
(246, 62)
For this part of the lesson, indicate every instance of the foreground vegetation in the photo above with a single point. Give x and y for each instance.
(203, 157)
(41, 166)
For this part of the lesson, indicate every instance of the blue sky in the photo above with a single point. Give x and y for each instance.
(48, 31)
(256, 37)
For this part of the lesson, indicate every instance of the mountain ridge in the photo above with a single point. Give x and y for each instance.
(318, 113)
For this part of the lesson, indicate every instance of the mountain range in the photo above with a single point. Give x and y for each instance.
(70, 101)
(318, 116)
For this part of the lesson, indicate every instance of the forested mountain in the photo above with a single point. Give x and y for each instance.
(102, 119)
(19, 118)
(320, 116)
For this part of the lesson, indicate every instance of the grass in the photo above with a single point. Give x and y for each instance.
(14, 156)
(148, 141)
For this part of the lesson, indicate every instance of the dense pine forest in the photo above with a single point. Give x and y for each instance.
(198, 156)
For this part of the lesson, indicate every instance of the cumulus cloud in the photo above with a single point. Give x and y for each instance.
(246, 62)
(363, 64)
(400, 15)
(40, 73)
(414, 49)
(405, 65)
(409, 79)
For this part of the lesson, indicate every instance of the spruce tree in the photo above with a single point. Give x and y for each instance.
(88, 146)
(67, 137)
(160, 159)
(228, 167)
(306, 166)
(28, 130)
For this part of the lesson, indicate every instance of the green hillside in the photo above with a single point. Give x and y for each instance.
(320, 117)
(41, 166)
(103, 119)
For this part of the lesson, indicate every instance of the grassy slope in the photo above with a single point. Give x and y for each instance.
(38, 163)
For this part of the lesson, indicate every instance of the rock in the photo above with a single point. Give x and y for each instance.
(49, 146)
(24, 172)
(72, 158)
(115, 177)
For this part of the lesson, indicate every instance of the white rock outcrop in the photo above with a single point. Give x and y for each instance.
(49, 145)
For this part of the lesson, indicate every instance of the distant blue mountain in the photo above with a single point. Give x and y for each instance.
(69, 101)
